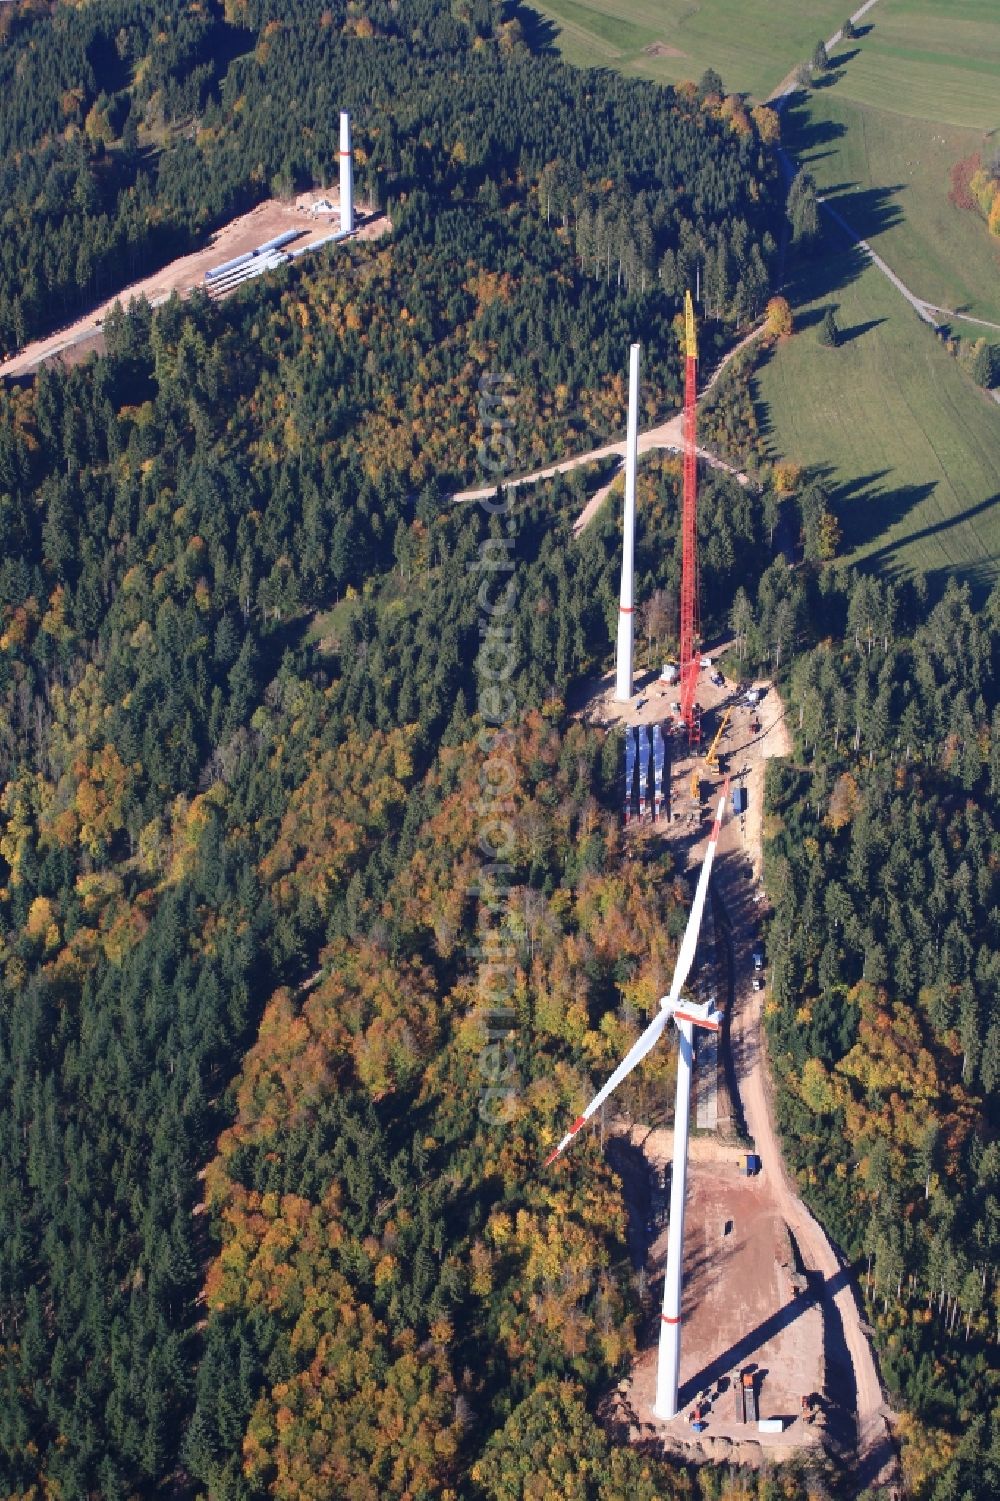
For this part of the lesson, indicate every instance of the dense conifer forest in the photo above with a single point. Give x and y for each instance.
(233, 829)
(884, 1023)
(132, 127)
(273, 1227)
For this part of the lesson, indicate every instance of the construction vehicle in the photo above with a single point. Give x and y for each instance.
(696, 786)
(712, 758)
(749, 1397)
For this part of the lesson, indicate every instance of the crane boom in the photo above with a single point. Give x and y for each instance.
(691, 334)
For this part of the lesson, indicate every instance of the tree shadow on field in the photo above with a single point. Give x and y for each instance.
(540, 34)
(818, 273)
(861, 487)
(980, 577)
(809, 317)
(974, 573)
(841, 59)
(818, 278)
(800, 133)
(868, 211)
(858, 330)
(765, 426)
(839, 187)
(868, 512)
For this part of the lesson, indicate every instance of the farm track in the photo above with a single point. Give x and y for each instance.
(924, 309)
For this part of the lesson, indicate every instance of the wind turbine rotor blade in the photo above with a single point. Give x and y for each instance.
(635, 1055)
(689, 943)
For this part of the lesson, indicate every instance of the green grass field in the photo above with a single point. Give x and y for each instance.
(752, 45)
(908, 446)
(915, 95)
(936, 60)
(888, 175)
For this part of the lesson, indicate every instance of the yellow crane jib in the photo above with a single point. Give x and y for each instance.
(712, 759)
(691, 339)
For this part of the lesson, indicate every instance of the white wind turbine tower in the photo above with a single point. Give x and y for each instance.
(687, 1016)
(346, 175)
(626, 617)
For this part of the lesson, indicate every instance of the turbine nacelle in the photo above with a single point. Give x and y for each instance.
(688, 1011)
(671, 1004)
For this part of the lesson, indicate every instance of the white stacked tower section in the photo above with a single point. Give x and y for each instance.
(346, 175)
(626, 622)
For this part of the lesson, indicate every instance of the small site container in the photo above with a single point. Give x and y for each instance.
(753, 1164)
(770, 1425)
(739, 800)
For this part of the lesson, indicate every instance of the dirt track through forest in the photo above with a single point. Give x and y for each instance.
(876, 1456)
(667, 435)
(183, 275)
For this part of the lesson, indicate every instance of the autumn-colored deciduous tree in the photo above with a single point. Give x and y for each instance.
(550, 1449)
(768, 123)
(779, 319)
(844, 801)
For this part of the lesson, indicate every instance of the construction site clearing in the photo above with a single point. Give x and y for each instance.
(753, 731)
(754, 1368)
(312, 215)
(752, 1356)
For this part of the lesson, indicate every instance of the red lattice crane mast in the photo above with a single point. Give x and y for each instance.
(690, 711)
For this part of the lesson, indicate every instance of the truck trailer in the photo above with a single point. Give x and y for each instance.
(749, 1397)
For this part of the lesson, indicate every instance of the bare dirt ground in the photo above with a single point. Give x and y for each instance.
(187, 272)
(742, 1312)
(741, 1309)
